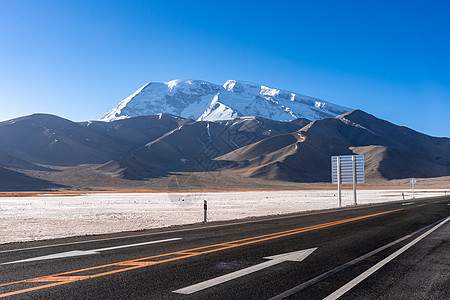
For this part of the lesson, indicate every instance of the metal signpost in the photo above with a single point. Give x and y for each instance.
(347, 169)
(413, 182)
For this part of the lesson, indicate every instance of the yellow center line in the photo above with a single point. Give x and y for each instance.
(64, 278)
(421, 205)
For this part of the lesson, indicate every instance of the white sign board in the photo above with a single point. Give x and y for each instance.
(347, 169)
(346, 162)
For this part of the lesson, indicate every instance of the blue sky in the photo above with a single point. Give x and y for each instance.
(78, 59)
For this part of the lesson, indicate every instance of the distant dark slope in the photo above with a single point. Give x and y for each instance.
(52, 140)
(252, 128)
(285, 163)
(7, 160)
(15, 181)
(305, 156)
(302, 156)
(131, 148)
(408, 153)
(161, 145)
(262, 148)
(404, 139)
(390, 163)
(301, 122)
(138, 131)
(179, 149)
(192, 146)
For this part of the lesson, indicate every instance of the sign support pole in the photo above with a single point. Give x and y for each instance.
(339, 180)
(413, 182)
(354, 179)
(347, 169)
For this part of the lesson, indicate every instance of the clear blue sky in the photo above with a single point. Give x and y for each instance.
(78, 59)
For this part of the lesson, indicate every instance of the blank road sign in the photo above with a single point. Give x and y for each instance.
(347, 169)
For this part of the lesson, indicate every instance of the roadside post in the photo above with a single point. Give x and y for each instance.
(205, 209)
(413, 182)
(347, 169)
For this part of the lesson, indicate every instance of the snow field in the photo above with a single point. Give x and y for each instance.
(204, 101)
(50, 216)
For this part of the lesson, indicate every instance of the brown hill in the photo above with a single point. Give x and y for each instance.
(192, 147)
(51, 140)
(391, 151)
(138, 131)
(45, 151)
(10, 161)
(404, 139)
(15, 181)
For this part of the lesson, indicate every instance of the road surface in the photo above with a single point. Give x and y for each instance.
(395, 250)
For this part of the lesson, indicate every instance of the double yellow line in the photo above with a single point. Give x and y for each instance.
(118, 267)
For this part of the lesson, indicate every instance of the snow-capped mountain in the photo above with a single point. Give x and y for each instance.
(204, 101)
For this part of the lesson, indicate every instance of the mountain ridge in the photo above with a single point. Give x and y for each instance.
(310, 148)
(52, 152)
(204, 101)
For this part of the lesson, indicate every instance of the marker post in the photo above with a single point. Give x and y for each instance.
(205, 209)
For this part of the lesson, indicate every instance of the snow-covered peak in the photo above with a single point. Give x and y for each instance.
(183, 97)
(189, 85)
(229, 85)
(251, 99)
(202, 100)
(241, 87)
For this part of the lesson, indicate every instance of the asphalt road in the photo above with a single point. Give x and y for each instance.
(387, 251)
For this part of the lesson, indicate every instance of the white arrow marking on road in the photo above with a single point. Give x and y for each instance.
(274, 260)
(87, 252)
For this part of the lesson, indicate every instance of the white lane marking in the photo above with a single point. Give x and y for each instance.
(274, 260)
(136, 245)
(341, 291)
(86, 252)
(408, 203)
(327, 274)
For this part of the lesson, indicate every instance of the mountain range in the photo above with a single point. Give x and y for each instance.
(138, 145)
(48, 152)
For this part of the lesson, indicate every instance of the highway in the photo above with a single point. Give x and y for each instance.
(396, 250)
